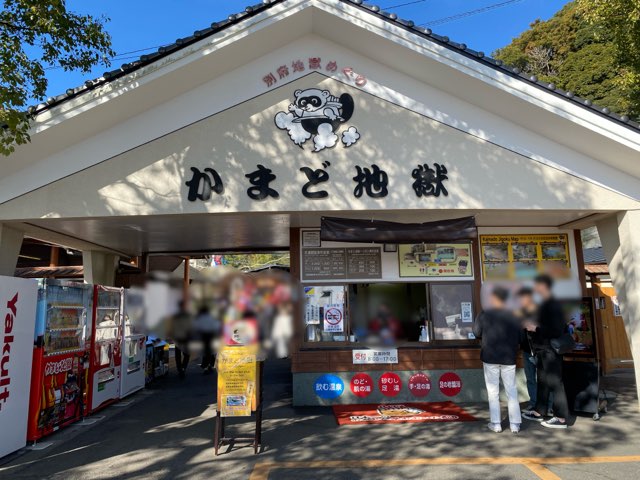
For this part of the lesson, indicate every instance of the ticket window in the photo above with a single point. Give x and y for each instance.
(391, 314)
(387, 313)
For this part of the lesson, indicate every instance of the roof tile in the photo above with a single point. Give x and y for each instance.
(390, 17)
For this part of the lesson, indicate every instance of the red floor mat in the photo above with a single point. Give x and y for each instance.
(400, 413)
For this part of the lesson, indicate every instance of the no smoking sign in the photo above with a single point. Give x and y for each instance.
(333, 318)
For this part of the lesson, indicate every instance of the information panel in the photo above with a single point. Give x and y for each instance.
(236, 381)
(435, 260)
(511, 257)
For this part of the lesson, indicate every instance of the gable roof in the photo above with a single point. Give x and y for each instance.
(408, 25)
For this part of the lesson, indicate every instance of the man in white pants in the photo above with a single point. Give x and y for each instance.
(501, 333)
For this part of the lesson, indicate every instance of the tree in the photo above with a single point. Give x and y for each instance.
(34, 35)
(620, 21)
(579, 53)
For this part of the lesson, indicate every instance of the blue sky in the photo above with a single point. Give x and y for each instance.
(140, 24)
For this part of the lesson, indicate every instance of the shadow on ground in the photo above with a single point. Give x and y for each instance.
(167, 433)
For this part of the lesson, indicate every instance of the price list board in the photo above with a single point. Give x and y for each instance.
(324, 264)
(364, 262)
(341, 263)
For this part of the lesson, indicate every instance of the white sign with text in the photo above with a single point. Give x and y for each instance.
(361, 357)
(17, 323)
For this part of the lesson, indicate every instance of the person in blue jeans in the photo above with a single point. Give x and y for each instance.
(528, 312)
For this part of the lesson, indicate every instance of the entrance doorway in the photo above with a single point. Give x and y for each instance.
(614, 344)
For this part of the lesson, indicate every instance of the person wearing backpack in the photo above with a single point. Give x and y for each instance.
(551, 325)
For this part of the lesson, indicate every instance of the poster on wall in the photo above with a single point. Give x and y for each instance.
(518, 257)
(18, 303)
(579, 316)
(237, 368)
(435, 260)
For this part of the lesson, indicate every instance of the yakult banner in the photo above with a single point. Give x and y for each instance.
(17, 324)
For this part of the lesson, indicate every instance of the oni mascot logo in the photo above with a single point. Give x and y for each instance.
(317, 114)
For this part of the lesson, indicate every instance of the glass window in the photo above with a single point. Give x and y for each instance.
(387, 313)
(325, 313)
(451, 308)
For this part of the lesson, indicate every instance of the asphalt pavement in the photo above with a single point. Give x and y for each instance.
(166, 432)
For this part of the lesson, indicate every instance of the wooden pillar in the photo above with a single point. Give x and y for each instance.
(54, 256)
(580, 261)
(599, 328)
(185, 282)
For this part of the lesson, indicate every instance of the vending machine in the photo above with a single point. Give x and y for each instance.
(133, 343)
(105, 347)
(57, 386)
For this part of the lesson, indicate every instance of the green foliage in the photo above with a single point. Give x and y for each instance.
(621, 20)
(580, 53)
(35, 34)
(254, 261)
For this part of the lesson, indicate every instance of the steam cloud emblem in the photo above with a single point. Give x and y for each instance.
(318, 114)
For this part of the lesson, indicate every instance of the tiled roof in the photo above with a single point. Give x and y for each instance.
(594, 255)
(409, 25)
(50, 272)
(597, 269)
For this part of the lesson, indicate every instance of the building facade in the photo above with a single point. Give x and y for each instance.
(245, 135)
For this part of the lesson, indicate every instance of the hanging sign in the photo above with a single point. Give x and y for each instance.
(334, 318)
(237, 369)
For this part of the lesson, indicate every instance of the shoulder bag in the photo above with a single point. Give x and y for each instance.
(563, 344)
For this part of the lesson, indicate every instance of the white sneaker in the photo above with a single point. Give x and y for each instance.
(515, 428)
(495, 427)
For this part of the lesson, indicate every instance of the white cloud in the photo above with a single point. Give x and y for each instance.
(325, 137)
(350, 136)
(284, 121)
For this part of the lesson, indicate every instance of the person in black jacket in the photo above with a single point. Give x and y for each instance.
(501, 333)
(551, 324)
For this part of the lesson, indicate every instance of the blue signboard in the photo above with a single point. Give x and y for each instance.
(328, 386)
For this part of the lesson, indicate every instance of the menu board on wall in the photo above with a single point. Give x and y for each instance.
(324, 264)
(511, 257)
(435, 260)
(365, 262)
(341, 263)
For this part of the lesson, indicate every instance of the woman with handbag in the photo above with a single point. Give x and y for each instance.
(550, 330)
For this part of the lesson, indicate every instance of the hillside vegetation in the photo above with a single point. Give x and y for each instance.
(584, 53)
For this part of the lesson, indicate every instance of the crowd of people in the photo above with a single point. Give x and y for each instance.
(240, 309)
(532, 327)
